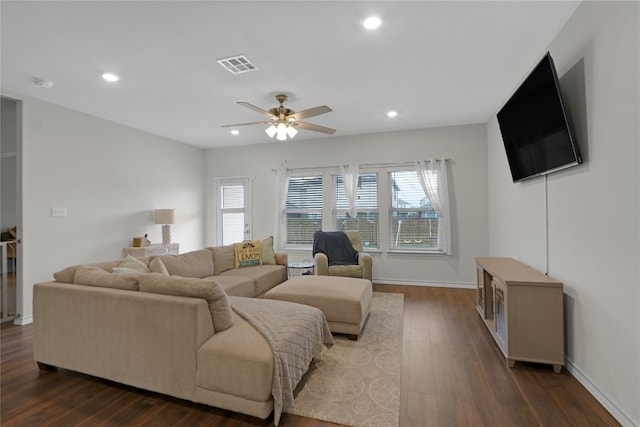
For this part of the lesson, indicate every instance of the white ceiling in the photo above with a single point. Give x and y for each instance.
(436, 63)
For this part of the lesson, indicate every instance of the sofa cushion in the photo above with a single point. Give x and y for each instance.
(247, 253)
(223, 258)
(191, 264)
(237, 361)
(219, 305)
(346, 270)
(264, 277)
(95, 276)
(236, 286)
(267, 253)
(66, 274)
(157, 266)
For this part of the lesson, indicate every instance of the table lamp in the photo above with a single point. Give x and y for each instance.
(165, 217)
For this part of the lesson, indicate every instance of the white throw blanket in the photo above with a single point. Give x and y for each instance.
(295, 332)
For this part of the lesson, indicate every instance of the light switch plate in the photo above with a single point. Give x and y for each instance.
(58, 211)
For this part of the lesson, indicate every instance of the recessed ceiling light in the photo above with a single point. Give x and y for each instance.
(110, 77)
(371, 23)
(235, 132)
(392, 113)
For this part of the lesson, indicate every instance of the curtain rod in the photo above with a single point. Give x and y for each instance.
(364, 165)
(383, 165)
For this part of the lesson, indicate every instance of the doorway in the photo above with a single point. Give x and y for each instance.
(233, 209)
(9, 210)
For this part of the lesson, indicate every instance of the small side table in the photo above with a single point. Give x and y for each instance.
(154, 249)
(301, 268)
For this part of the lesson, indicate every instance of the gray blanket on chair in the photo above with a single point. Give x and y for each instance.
(295, 332)
(336, 246)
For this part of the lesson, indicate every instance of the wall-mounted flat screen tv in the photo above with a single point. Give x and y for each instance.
(535, 130)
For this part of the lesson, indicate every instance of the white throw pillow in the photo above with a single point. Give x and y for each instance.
(157, 266)
(266, 251)
(133, 263)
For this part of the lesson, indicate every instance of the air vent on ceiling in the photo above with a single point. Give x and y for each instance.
(237, 64)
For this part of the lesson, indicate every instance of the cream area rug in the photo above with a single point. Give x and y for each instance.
(357, 383)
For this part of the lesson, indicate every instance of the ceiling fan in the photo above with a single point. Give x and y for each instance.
(283, 120)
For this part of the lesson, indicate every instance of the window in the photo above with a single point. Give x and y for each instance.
(397, 208)
(413, 223)
(233, 210)
(303, 210)
(367, 218)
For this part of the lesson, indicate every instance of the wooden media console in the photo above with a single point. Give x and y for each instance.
(523, 310)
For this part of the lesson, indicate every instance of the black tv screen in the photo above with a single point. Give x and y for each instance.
(534, 126)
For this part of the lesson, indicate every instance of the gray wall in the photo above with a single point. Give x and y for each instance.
(593, 209)
(465, 145)
(110, 178)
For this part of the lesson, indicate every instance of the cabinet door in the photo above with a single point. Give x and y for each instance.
(500, 313)
(535, 322)
(485, 293)
(481, 289)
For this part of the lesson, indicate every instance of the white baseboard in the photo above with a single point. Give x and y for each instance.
(620, 416)
(383, 281)
(23, 320)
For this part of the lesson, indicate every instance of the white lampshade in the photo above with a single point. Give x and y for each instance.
(291, 131)
(282, 132)
(165, 216)
(271, 131)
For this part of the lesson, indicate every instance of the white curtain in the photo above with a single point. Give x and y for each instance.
(282, 186)
(433, 178)
(350, 180)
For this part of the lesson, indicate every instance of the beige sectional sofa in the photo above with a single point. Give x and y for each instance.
(127, 327)
(212, 263)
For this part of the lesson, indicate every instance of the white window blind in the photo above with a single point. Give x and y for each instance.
(232, 212)
(232, 196)
(366, 203)
(233, 199)
(303, 210)
(413, 223)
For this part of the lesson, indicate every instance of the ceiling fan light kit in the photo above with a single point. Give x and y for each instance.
(281, 131)
(283, 121)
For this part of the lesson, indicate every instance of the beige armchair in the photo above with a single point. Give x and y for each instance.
(362, 270)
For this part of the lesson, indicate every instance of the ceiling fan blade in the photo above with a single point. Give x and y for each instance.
(264, 122)
(311, 112)
(258, 109)
(315, 128)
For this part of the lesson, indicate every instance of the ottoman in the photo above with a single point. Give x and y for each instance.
(345, 301)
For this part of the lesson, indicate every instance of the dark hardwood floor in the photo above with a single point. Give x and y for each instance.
(453, 374)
